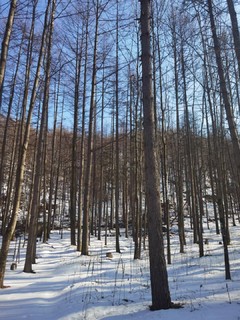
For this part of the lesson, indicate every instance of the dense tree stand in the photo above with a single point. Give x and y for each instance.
(119, 125)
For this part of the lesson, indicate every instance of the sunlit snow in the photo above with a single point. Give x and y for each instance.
(67, 285)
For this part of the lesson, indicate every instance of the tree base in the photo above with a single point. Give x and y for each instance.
(172, 306)
(31, 271)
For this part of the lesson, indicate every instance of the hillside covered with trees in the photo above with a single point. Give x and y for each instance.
(119, 115)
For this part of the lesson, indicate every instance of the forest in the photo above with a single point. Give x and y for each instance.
(119, 115)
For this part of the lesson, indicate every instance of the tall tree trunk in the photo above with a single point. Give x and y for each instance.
(53, 157)
(74, 178)
(5, 44)
(179, 164)
(31, 246)
(82, 147)
(58, 170)
(88, 171)
(117, 185)
(158, 271)
(8, 118)
(235, 30)
(101, 195)
(23, 152)
(208, 100)
(223, 88)
(189, 147)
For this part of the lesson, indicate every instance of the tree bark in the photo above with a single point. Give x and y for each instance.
(22, 156)
(117, 185)
(31, 246)
(5, 42)
(235, 31)
(179, 160)
(158, 271)
(223, 88)
(74, 178)
(88, 171)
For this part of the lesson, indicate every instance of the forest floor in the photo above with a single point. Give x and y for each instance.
(67, 285)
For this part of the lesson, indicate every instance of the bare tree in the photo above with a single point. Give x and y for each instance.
(159, 279)
(5, 42)
(74, 176)
(223, 87)
(23, 147)
(117, 186)
(88, 171)
(83, 135)
(235, 30)
(8, 119)
(31, 246)
(179, 160)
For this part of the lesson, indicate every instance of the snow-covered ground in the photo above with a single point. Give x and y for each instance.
(67, 285)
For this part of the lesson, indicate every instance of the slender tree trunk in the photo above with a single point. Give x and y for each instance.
(117, 185)
(88, 168)
(164, 160)
(235, 30)
(233, 133)
(101, 195)
(125, 168)
(6, 199)
(83, 135)
(53, 157)
(208, 100)
(22, 157)
(179, 164)
(74, 178)
(189, 147)
(31, 247)
(5, 44)
(223, 88)
(158, 271)
(8, 118)
(58, 171)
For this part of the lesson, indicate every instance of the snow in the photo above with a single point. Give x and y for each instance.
(67, 285)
